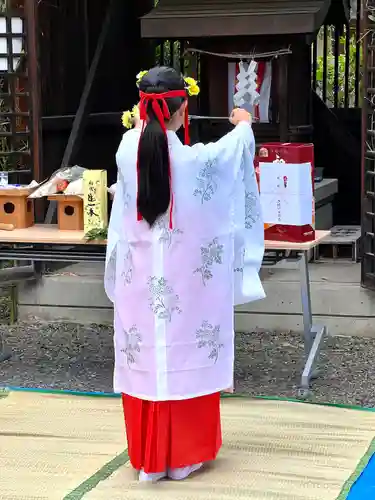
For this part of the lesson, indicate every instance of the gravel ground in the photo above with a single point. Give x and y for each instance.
(74, 357)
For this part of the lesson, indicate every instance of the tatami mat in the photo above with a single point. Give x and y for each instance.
(51, 446)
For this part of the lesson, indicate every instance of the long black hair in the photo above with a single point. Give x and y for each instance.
(154, 189)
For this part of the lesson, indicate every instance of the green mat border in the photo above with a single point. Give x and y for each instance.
(7, 389)
(101, 475)
(363, 463)
(120, 460)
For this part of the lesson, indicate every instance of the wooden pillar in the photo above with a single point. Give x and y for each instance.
(283, 99)
(299, 89)
(34, 87)
(31, 14)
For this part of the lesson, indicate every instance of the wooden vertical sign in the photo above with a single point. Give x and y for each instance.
(95, 201)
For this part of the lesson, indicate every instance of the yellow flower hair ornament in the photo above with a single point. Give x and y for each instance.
(192, 86)
(129, 117)
(140, 75)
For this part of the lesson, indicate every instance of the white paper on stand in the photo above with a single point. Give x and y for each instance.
(286, 193)
(112, 189)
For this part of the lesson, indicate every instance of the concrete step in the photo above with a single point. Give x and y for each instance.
(72, 293)
(337, 298)
(54, 314)
(76, 293)
(65, 290)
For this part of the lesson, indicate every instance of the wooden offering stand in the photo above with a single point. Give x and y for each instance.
(15, 208)
(69, 212)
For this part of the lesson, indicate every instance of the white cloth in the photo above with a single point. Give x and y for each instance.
(174, 289)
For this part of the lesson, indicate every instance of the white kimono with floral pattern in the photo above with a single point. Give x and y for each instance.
(174, 289)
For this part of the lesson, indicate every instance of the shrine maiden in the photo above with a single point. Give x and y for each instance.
(185, 244)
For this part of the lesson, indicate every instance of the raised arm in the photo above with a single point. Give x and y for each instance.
(239, 139)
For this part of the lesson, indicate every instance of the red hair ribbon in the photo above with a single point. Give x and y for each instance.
(162, 113)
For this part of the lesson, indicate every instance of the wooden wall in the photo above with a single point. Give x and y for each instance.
(69, 32)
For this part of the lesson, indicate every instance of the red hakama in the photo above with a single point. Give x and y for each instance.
(172, 434)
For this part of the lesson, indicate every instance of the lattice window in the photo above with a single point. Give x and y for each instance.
(15, 124)
(171, 53)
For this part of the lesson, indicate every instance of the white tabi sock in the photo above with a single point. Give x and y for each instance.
(184, 472)
(152, 477)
